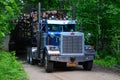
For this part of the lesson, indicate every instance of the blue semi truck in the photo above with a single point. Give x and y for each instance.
(59, 44)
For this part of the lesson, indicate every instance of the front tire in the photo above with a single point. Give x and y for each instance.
(48, 65)
(88, 65)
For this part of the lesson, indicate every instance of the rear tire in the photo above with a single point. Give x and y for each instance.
(32, 61)
(28, 54)
(29, 57)
(88, 65)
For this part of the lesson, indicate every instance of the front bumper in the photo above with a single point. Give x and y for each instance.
(87, 56)
(67, 58)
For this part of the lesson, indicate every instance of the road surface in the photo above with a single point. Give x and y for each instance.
(38, 73)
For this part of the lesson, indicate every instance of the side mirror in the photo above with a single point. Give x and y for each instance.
(88, 35)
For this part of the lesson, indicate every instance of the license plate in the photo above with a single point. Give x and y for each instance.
(72, 64)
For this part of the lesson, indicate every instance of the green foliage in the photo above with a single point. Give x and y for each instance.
(101, 18)
(118, 57)
(10, 68)
(8, 11)
(2, 34)
(108, 61)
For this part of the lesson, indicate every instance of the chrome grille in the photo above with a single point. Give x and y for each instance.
(72, 44)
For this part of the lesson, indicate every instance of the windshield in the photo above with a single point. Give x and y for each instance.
(54, 28)
(60, 28)
(69, 28)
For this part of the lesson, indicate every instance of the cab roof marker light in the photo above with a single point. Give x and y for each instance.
(67, 18)
(53, 17)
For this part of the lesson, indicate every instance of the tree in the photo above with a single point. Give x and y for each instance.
(101, 18)
(8, 11)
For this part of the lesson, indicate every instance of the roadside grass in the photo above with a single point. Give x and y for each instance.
(108, 61)
(10, 68)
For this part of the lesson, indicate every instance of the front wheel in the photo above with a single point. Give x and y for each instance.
(48, 65)
(88, 65)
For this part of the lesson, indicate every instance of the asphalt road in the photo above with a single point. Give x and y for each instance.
(36, 72)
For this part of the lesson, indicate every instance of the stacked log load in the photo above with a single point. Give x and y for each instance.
(28, 23)
(58, 15)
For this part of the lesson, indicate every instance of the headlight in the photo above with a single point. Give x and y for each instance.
(89, 47)
(53, 48)
(34, 49)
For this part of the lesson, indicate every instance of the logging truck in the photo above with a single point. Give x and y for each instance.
(52, 40)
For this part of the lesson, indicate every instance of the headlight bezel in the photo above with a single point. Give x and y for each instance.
(89, 47)
(53, 48)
